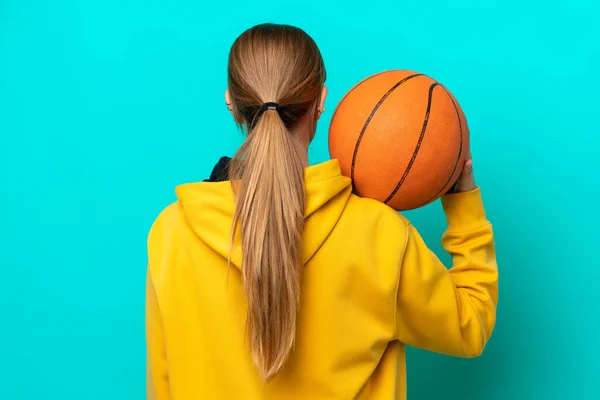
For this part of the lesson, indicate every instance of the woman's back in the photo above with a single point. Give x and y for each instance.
(369, 286)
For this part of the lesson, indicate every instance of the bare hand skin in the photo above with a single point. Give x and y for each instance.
(466, 180)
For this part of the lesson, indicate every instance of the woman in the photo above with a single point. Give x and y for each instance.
(274, 281)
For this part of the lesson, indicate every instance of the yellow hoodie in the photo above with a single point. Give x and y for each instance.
(370, 286)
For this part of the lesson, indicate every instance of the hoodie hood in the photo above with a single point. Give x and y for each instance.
(208, 209)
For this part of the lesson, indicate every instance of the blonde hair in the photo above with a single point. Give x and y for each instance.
(281, 64)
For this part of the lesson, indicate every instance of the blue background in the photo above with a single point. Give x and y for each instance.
(106, 105)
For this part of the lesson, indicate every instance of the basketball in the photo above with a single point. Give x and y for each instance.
(401, 137)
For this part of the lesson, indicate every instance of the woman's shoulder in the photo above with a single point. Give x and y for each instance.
(371, 211)
(160, 240)
(165, 220)
(169, 215)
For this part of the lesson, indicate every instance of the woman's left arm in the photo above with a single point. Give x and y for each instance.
(157, 377)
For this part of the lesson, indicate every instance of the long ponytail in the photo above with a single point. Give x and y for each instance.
(283, 64)
(269, 173)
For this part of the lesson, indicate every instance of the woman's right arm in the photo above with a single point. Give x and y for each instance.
(451, 311)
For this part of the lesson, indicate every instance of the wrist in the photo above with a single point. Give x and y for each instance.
(462, 186)
(466, 187)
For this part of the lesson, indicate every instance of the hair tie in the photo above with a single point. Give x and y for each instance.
(265, 107)
(269, 106)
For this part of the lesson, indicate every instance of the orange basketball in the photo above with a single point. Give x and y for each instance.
(402, 138)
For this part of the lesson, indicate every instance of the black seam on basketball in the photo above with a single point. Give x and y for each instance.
(417, 147)
(364, 128)
(352, 90)
(459, 149)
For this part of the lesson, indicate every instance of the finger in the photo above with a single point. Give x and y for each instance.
(469, 165)
(467, 168)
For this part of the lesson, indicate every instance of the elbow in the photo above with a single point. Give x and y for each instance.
(474, 345)
(477, 328)
(473, 350)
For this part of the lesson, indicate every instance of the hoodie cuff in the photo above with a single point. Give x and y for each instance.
(464, 211)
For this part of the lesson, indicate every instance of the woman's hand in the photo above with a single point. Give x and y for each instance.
(466, 180)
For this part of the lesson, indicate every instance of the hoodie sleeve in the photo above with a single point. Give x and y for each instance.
(159, 242)
(451, 311)
(157, 378)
